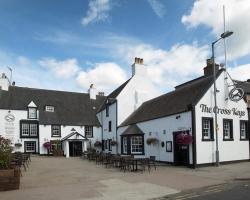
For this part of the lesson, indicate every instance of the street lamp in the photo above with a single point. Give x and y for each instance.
(222, 36)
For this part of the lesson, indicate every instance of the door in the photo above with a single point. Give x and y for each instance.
(181, 152)
(75, 148)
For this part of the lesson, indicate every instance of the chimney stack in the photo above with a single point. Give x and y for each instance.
(4, 82)
(92, 92)
(138, 68)
(209, 69)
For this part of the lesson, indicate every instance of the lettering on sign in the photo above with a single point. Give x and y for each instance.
(9, 124)
(223, 111)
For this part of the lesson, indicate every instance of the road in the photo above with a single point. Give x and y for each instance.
(238, 190)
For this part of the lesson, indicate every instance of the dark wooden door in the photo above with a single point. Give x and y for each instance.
(75, 148)
(181, 152)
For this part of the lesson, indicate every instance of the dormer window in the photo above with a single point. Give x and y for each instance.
(49, 108)
(32, 113)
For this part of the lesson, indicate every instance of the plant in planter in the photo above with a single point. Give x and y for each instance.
(113, 143)
(152, 141)
(184, 139)
(98, 143)
(9, 177)
(47, 145)
(18, 145)
(56, 148)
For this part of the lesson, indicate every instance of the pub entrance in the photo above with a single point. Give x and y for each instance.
(75, 148)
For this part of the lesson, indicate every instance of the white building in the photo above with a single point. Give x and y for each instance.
(122, 102)
(189, 110)
(31, 117)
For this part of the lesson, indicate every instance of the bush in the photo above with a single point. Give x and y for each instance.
(98, 144)
(152, 141)
(5, 153)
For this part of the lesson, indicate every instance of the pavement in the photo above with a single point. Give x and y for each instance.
(54, 178)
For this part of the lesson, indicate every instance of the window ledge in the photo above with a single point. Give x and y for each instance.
(207, 140)
(230, 139)
(244, 139)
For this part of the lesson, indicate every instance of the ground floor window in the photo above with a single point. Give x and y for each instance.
(136, 144)
(109, 145)
(125, 145)
(207, 129)
(30, 146)
(243, 130)
(227, 129)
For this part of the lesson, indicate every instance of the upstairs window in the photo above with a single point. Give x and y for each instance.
(89, 131)
(55, 130)
(49, 108)
(207, 129)
(32, 113)
(227, 129)
(107, 110)
(243, 130)
(110, 126)
(28, 129)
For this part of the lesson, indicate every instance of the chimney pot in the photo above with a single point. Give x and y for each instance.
(209, 69)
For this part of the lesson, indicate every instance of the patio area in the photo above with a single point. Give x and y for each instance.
(54, 178)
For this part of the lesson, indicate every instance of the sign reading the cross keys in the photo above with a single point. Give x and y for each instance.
(236, 94)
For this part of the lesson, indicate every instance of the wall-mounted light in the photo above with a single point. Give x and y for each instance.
(178, 117)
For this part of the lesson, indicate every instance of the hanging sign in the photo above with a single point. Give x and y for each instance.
(236, 94)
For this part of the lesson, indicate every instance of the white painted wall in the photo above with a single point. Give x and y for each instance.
(229, 150)
(156, 127)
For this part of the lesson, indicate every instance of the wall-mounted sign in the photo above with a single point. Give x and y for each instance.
(223, 111)
(236, 94)
(9, 117)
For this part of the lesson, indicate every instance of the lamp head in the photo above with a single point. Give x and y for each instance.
(226, 34)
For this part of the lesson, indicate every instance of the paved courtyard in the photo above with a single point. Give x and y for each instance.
(52, 178)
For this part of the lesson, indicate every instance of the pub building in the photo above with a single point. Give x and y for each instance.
(177, 127)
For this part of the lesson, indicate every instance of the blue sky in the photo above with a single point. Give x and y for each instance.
(68, 45)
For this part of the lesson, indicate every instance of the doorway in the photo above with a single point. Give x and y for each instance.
(181, 152)
(75, 148)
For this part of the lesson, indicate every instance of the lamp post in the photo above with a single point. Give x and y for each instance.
(223, 36)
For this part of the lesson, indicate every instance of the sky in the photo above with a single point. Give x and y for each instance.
(68, 45)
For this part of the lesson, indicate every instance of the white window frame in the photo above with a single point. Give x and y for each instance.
(243, 130)
(227, 129)
(32, 147)
(88, 131)
(25, 129)
(33, 130)
(55, 130)
(136, 144)
(32, 113)
(207, 128)
(49, 108)
(125, 145)
(29, 128)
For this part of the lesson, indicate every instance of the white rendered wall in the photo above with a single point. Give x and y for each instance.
(156, 128)
(229, 150)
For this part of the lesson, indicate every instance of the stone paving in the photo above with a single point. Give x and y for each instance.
(50, 178)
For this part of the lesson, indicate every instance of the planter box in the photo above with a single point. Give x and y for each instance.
(10, 179)
(58, 153)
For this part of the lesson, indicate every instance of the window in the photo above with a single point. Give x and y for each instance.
(243, 130)
(32, 113)
(107, 110)
(227, 129)
(125, 145)
(55, 130)
(110, 126)
(49, 108)
(137, 144)
(207, 129)
(105, 144)
(29, 128)
(30, 147)
(109, 144)
(89, 131)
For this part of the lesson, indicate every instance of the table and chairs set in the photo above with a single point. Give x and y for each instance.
(125, 163)
(20, 160)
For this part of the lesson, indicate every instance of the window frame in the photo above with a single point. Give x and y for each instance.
(28, 113)
(231, 136)
(211, 122)
(25, 146)
(52, 133)
(109, 145)
(124, 143)
(49, 106)
(107, 110)
(29, 122)
(142, 145)
(246, 130)
(85, 131)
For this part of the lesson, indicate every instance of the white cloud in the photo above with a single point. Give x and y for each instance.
(61, 69)
(210, 14)
(98, 11)
(241, 72)
(105, 76)
(158, 8)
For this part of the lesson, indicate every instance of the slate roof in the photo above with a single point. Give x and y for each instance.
(245, 85)
(71, 108)
(113, 95)
(177, 101)
(133, 130)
